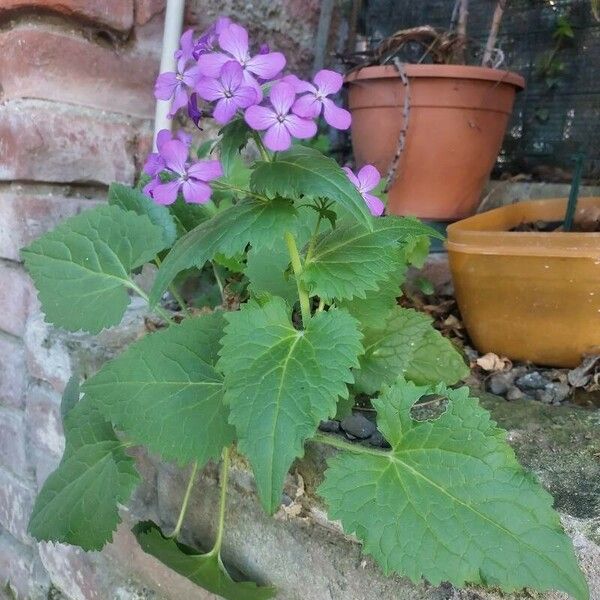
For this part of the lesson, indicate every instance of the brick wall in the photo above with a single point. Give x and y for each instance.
(76, 105)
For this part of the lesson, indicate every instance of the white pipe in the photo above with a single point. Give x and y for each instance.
(170, 44)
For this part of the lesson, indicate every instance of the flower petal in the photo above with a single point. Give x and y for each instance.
(328, 82)
(376, 206)
(260, 117)
(148, 189)
(225, 110)
(179, 100)
(245, 96)
(368, 178)
(186, 47)
(282, 96)
(163, 136)
(165, 85)
(234, 39)
(196, 192)
(277, 137)
(299, 85)
(307, 106)
(266, 66)
(249, 81)
(352, 177)
(166, 193)
(175, 154)
(221, 24)
(154, 164)
(300, 128)
(335, 116)
(184, 137)
(231, 75)
(206, 170)
(191, 76)
(211, 63)
(209, 88)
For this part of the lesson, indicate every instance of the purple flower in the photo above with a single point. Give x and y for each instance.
(229, 90)
(194, 113)
(186, 49)
(311, 104)
(206, 42)
(155, 163)
(189, 178)
(234, 41)
(280, 124)
(176, 84)
(365, 180)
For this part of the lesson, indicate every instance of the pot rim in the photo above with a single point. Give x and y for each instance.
(438, 71)
(487, 233)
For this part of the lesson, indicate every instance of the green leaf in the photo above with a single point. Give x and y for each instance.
(407, 344)
(234, 136)
(78, 502)
(265, 268)
(81, 268)
(165, 392)
(187, 216)
(450, 501)
(204, 149)
(131, 199)
(205, 570)
(352, 259)
(282, 382)
(255, 222)
(304, 171)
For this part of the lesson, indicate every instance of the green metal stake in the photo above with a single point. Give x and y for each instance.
(574, 192)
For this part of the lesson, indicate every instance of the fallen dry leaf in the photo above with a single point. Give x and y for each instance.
(492, 362)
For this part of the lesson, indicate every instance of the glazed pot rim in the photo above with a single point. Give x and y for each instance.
(438, 71)
(487, 232)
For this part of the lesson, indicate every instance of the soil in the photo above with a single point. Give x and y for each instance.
(589, 223)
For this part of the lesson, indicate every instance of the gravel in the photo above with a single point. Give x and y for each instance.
(499, 383)
(532, 381)
(330, 426)
(358, 426)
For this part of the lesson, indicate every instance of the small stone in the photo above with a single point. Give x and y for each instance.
(358, 426)
(330, 426)
(514, 393)
(499, 383)
(532, 381)
(376, 439)
(553, 393)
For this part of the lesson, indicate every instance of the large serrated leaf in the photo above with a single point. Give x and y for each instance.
(282, 382)
(131, 199)
(450, 502)
(205, 570)
(304, 171)
(81, 269)
(351, 260)
(266, 271)
(407, 344)
(258, 223)
(78, 501)
(164, 391)
(234, 136)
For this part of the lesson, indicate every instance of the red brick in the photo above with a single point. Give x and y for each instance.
(25, 215)
(12, 441)
(116, 14)
(148, 9)
(13, 372)
(55, 65)
(15, 292)
(51, 142)
(16, 502)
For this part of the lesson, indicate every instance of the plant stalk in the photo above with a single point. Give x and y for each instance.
(493, 35)
(159, 310)
(186, 499)
(175, 293)
(337, 442)
(297, 268)
(261, 148)
(223, 479)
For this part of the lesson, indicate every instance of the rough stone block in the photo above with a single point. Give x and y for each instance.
(115, 14)
(15, 292)
(13, 371)
(16, 502)
(12, 441)
(54, 65)
(26, 214)
(53, 142)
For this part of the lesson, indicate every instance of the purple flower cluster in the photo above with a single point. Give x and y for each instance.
(219, 68)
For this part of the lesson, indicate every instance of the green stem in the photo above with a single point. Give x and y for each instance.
(234, 188)
(297, 268)
(175, 293)
(219, 281)
(261, 148)
(313, 240)
(186, 499)
(340, 444)
(223, 479)
(159, 310)
(321, 305)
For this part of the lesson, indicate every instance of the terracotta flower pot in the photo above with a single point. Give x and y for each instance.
(528, 295)
(457, 120)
